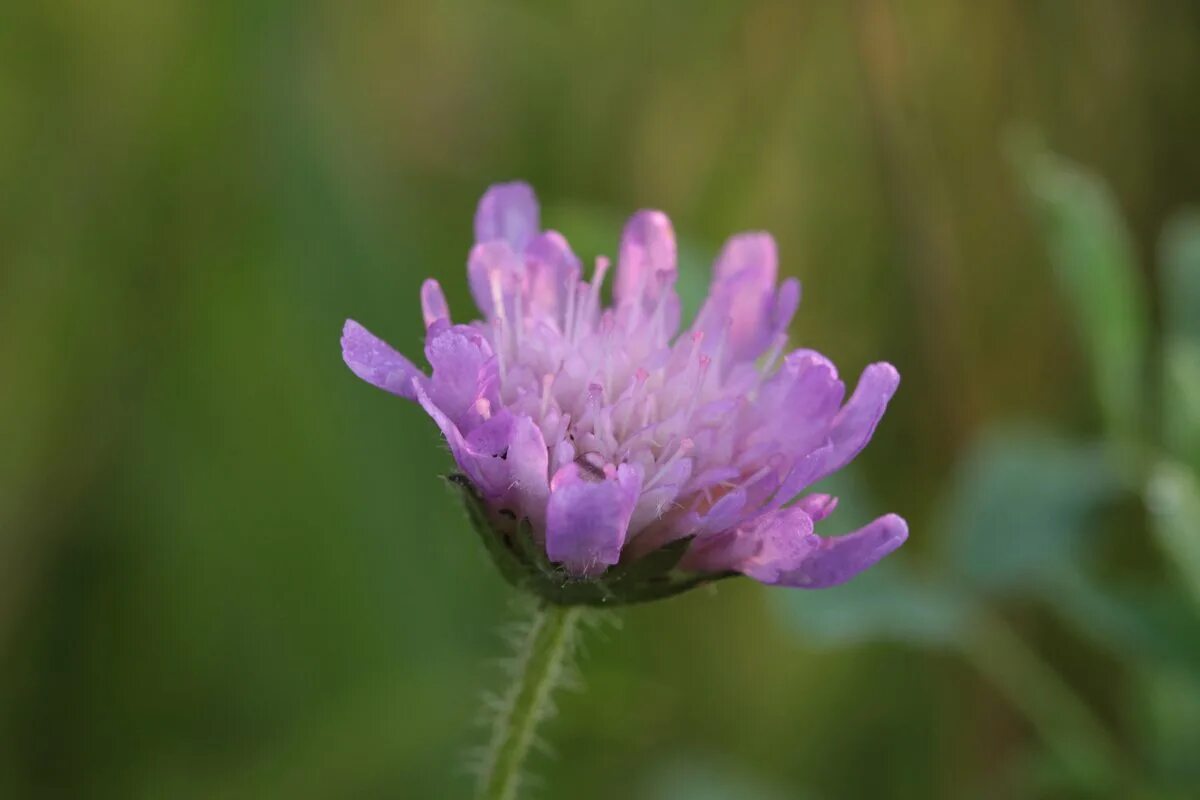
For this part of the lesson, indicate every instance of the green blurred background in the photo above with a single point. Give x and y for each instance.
(230, 569)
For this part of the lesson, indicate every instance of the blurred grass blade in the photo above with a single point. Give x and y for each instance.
(1181, 400)
(1168, 707)
(1129, 619)
(1179, 255)
(1174, 499)
(1066, 724)
(1093, 258)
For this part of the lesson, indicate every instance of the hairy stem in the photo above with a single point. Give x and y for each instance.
(540, 665)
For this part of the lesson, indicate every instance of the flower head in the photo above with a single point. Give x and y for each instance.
(607, 455)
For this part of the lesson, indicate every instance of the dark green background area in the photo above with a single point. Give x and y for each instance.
(230, 569)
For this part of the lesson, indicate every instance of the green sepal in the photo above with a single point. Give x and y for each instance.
(522, 561)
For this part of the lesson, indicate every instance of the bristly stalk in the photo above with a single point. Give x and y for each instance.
(541, 665)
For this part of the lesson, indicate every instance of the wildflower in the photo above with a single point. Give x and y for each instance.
(606, 458)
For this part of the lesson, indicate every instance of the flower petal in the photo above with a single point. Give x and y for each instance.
(787, 300)
(509, 455)
(785, 540)
(751, 254)
(465, 383)
(759, 548)
(797, 357)
(553, 272)
(374, 360)
(433, 303)
(779, 548)
(495, 273)
(528, 461)
(646, 268)
(507, 211)
(587, 517)
(804, 472)
(838, 559)
(817, 506)
(504, 457)
(722, 515)
(742, 302)
(855, 423)
(474, 459)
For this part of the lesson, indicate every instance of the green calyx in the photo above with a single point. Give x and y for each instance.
(523, 563)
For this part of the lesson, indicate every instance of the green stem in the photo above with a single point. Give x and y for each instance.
(541, 662)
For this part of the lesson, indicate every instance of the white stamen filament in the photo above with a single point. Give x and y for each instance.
(685, 446)
(547, 382)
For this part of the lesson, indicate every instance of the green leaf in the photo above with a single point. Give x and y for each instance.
(1093, 258)
(1020, 519)
(1148, 621)
(1179, 251)
(1173, 496)
(1181, 399)
(1167, 704)
(1021, 506)
(884, 603)
(1179, 256)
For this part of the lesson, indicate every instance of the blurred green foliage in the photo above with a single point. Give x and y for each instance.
(1094, 261)
(1022, 515)
(228, 569)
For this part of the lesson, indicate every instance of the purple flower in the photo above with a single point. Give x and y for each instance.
(616, 437)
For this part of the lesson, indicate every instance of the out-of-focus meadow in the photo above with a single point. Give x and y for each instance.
(230, 569)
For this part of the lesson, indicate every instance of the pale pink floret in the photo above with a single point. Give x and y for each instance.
(613, 435)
